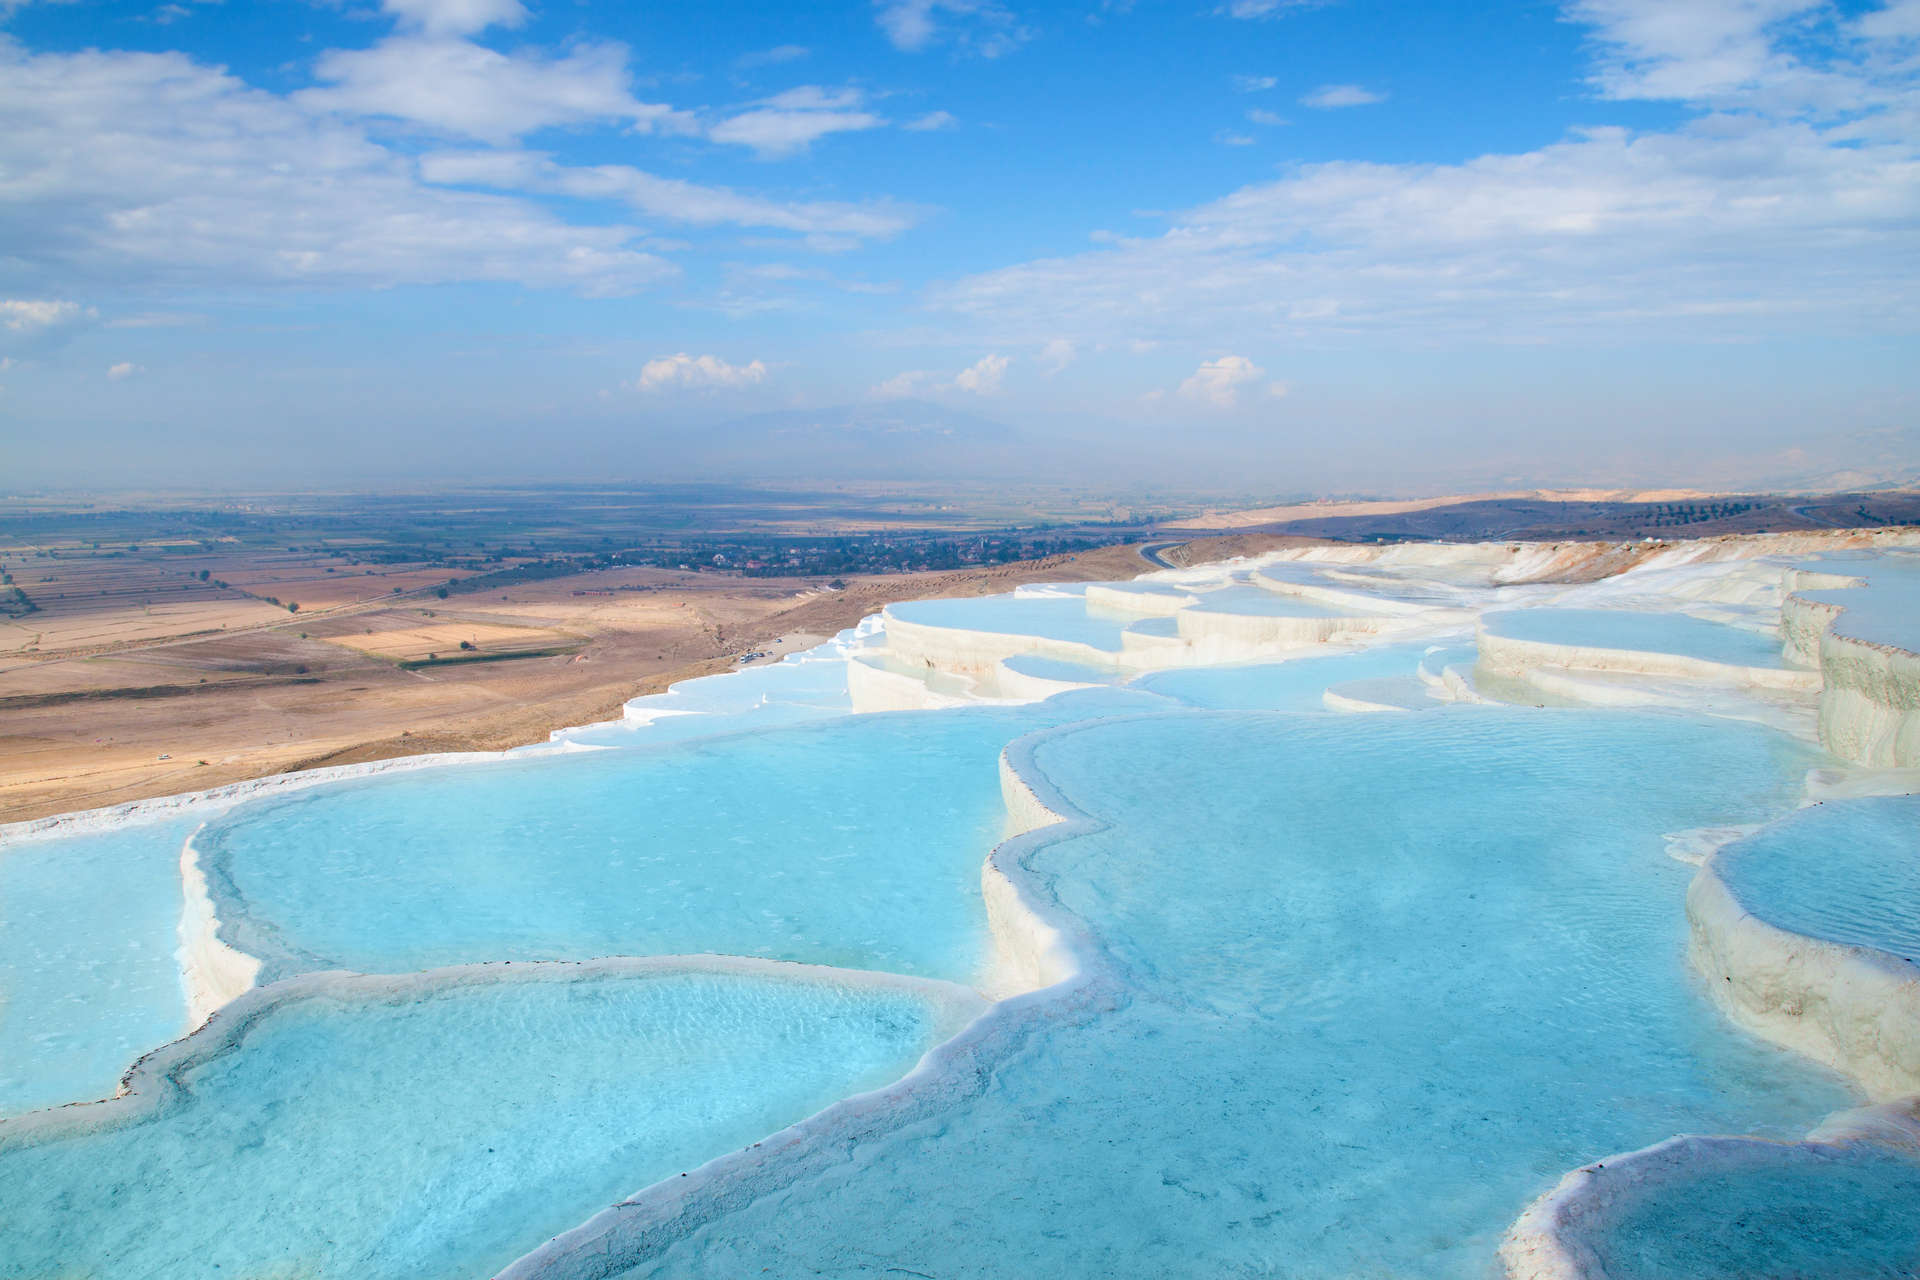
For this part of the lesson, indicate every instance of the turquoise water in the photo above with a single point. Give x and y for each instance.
(1260, 603)
(1887, 609)
(1053, 617)
(1402, 693)
(1800, 1216)
(1031, 664)
(88, 979)
(855, 843)
(442, 1132)
(1376, 982)
(1847, 871)
(1640, 632)
(1280, 686)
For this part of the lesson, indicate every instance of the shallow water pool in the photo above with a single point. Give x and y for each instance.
(1846, 870)
(440, 1130)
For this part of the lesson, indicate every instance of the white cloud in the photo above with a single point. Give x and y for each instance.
(978, 26)
(1248, 9)
(1254, 84)
(1269, 119)
(683, 372)
(32, 315)
(1777, 218)
(461, 88)
(982, 378)
(772, 57)
(456, 17)
(1057, 355)
(191, 177)
(1898, 20)
(912, 382)
(1704, 49)
(932, 121)
(792, 121)
(1329, 97)
(1218, 382)
(673, 198)
(124, 370)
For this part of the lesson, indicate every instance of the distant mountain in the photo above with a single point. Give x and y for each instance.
(887, 439)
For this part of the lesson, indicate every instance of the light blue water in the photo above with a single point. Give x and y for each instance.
(1280, 686)
(856, 843)
(1847, 871)
(1380, 981)
(1887, 609)
(1053, 617)
(1803, 1216)
(442, 1133)
(88, 979)
(794, 691)
(1403, 693)
(1258, 602)
(1640, 632)
(1043, 668)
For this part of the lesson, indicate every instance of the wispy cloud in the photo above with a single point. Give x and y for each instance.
(791, 122)
(1329, 97)
(457, 87)
(1268, 119)
(32, 315)
(982, 378)
(1726, 224)
(1218, 383)
(456, 17)
(671, 198)
(773, 57)
(217, 182)
(1254, 84)
(976, 26)
(932, 121)
(683, 372)
(124, 370)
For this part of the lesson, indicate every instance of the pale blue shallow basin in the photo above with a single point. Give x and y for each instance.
(88, 979)
(1295, 685)
(1049, 617)
(857, 843)
(1640, 632)
(438, 1132)
(1885, 611)
(1378, 981)
(1803, 1216)
(1847, 871)
(1257, 602)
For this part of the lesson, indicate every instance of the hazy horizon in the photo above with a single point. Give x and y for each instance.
(1247, 248)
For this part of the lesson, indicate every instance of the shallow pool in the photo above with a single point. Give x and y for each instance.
(1380, 981)
(88, 979)
(1640, 632)
(1846, 870)
(439, 1131)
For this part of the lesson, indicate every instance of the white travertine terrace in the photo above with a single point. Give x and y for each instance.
(1854, 1008)
(1147, 604)
(1870, 690)
(214, 973)
(979, 653)
(1508, 656)
(1335, 598)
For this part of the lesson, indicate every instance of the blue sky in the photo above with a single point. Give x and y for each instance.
(1342, 245)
